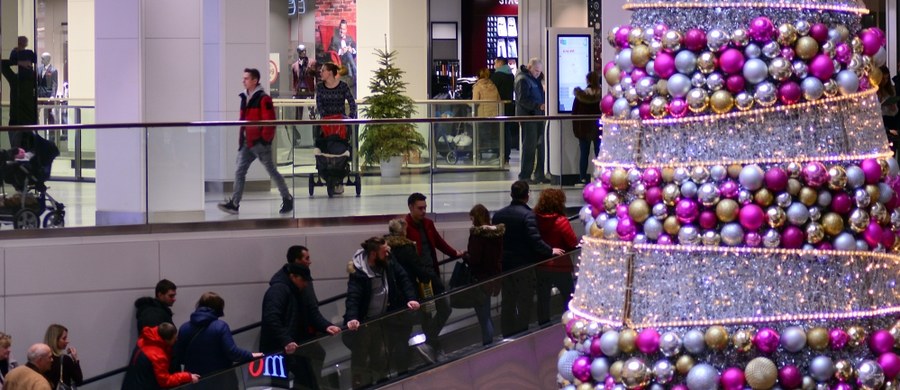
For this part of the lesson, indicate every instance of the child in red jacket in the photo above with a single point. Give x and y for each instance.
(149, 365)
(557, 232)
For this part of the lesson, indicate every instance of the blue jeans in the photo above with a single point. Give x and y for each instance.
(585, 157)
(532, 151)
(244, 158)
(483, 313)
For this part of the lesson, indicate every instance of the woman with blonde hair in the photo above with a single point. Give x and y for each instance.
(7, 363)
(557, 232)
(66, 368)
(485, 252)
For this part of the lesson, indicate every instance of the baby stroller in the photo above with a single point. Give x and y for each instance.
(30, 204)
(454, 140)
(332, 152)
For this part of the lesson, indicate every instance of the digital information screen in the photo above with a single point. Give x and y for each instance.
(573, 64)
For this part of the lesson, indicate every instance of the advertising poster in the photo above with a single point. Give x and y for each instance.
(336, 37)
(574, 53)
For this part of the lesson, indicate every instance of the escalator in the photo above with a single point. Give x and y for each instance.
(525, 360)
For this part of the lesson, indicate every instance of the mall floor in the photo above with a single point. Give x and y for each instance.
(449, 191)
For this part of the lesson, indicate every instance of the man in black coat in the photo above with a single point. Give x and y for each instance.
(505, 82)
(377, 286)
(522, 246)
(155, 311)
(287, 313)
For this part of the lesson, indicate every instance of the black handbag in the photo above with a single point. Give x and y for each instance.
(462, 277)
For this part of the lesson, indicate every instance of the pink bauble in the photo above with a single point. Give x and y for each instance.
(605, 178)
(637, 74)
(581, 368)
(660, 29)
(864, 84)
(819, 32)
(622, 211)
(822, 67)
(647, 341)
(622, 36)
(731, 61)
(626, 229)
(609, 383)
(887, 238)
(595, 211)
(890, 364)
(606, 104)
(651, 177)
(762, 30)
(790, 377)
(695, 39)
(680, 387)
(644, 110)
(838, 338)
(872, 170)
(843, 53)
(653, 196)
(677, 107)
(729, 189)
(881, 342)
(664, 239)
(789, 92)
(732, 379)
(766, 340)
(708, 220)
(687, 210)
(664, 65)
(595, 347)
(842, 386)
(873, 233)
(735, 83)
(597, 197)
(752, 239)
(752, 217)
(569, 326)
(871, 41)
(776, 179)
(787, 53)
(894, 202)
(792, 237)
(608, 66)
(824, 246)
(815, 174)
(587, 191)
(841, 203)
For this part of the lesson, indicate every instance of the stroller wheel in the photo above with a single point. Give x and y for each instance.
(26, 219)
(452, 158)
(54, 219)
(358, 184)
(329, 187)
(312, 184)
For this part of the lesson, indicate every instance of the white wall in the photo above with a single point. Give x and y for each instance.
(448, 11)
(612, 15)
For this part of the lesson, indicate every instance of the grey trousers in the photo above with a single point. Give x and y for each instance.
(244, 158)
(532, 151)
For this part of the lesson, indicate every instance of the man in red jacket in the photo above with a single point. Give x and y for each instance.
(256, 142)
(421, 230)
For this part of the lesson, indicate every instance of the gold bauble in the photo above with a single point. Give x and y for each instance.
(640, 55)
(761, 373)
(662, 87)
(639, 210)
(619, 179)
(671, 225)
(635, 37)
(859, 220)
(885, 167)
(706, 62)
(763, 197)
(817, 338)
(895, 331)
(585, 386)
(668, 174)
(670, 194)
(843, 370)
(787, 34)
(697, 100)
(879, 212)
(578, 329)
(857, 335)
(776, 216)
(814, 233)
(734, 170)
(794, 187)
(743, 340)
(716, 337)
(610, 202)
(873, 191)
(596, 231)
(627, 338)
(613, 75)
(721, 101)
(635, 374)
(838, 177)
(658, 107)
(568, 343)
(806, 48)
(727, 210)
(808, 196)
(875, 76)
(567, 316)
(856, 45)
(684, 364)
(890, 385)
(843, 32)
(615, 370)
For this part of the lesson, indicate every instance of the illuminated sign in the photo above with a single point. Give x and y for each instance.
(299, 7)
(270, 366)
(508, 2)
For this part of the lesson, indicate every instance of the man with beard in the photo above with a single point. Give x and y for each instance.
(377, 286)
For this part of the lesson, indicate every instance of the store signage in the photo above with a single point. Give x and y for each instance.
(270, 366)
(299, 7)
(508, 2)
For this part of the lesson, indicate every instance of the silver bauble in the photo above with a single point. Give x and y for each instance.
(765, 94)
(617, 91)
(688, 189)
(609, 229)
(564, 364)
(797, 214)
(743, 101)
(635, 114)
(745, 197)
(698, 80)
(671, 40)
(659, 211)
(655, 47)
(686, 61)
(800, 69)
(802, 27)
(824, 199)
(702, 377)
(670, 344)
(681, 175)
(718, 173)
(812, 87)
(593, 329)
(783, 200)
(869, 375)
(694, 342)
(626, 82)
(862, 198)
(711, 238)
(639, 239)
(893, 167)
(740, 37)
(771, 239)
(699, 174)
(649, 34)
(751, 177)
(752, 51)
(717, 40)
(755, 70)
(652, 228)
(834, 35)
(678, 85)
(599, 369)
(623, 60)
(821, 368)
(793, 339)
(646, 88)
(634, 176)
(885, 193)
(732, 234)
(895, 220)
(847, 81)
(697, 100)
(715, 81)
(771, 50)
(862, 245)
(708, 194)
(689, 235)
(815, 214)
(649, 68)
(663, 372)
(855, 176)
(609, 343)
(621, 108)
(639, 190)
(845, 242)
(632, 97)
(793, 169)
(880, 57)
(809, 383)
(780, 69)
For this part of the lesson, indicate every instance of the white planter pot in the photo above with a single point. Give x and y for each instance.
(391, 168)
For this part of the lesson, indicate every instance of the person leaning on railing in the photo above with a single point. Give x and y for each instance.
(557, 232)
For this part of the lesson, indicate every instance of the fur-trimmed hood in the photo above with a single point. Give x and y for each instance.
(398, 241)
(488, 231)
(588, 95)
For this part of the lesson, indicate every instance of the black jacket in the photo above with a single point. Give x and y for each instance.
(288, 314)
(522, 243)
(505, 83)
(359, 291)
(140, 373)
(529, 94)
(151, 312)
(405, 252)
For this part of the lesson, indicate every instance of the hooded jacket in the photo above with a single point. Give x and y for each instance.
(288, 314)
(149, 365)
(404, 250)
(586, 102)
(557, 232)
(485, 250)
(205, 344)
(256, 105)
(522, 243)
(359, 287)
(151, 312)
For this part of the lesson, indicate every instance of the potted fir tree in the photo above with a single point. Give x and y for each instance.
(387, 143)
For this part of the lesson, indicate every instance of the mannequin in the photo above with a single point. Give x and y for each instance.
(47, 77)
(303, 84)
